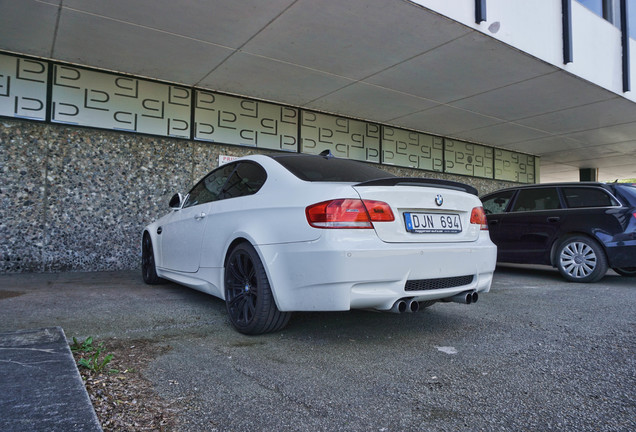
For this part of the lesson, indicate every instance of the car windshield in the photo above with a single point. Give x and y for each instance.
(322, 169)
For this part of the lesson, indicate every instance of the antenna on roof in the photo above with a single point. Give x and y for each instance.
(327, 154)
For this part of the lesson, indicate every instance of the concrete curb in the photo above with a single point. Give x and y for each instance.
(40, 386)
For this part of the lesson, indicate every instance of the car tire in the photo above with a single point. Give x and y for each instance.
(148, 267)
(581, 259)
(625, 271)
(248, 295)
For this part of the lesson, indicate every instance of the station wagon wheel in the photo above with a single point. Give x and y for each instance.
(248, 295)
(581, 259)
(625, 271)
(148, 268)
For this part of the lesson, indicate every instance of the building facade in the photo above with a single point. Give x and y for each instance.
(91, 152)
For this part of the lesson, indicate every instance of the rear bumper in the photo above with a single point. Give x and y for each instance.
(362, 272)
(622, 254)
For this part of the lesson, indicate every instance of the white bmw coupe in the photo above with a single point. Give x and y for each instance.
(296, 232)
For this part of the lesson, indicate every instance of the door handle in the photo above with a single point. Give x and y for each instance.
(200, 216)
(554, 219)
(493, 222)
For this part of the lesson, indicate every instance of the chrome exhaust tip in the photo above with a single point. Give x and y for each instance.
(399, 306)
(467, 297)
(412, 305)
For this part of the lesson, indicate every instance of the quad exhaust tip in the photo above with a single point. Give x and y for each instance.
(412, 305)
(399, 306)
(467, 297)
(405, 305)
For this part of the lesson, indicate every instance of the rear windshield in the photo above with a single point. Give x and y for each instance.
(321, 169)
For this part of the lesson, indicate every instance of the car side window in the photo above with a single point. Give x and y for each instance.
(247, 179)
(209, 189)
(498, 202)
(537, 199)
(579, 197)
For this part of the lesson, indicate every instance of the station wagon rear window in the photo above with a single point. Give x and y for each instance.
(581, 197)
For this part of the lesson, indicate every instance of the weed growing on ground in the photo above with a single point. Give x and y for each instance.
(91, 356)
(125, 400)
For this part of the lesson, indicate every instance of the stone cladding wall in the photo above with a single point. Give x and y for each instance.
(76, 199)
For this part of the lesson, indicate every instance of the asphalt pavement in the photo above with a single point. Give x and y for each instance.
(535, 354)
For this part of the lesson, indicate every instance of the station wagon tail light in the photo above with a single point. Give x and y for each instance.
(348, 213)
(478, 217)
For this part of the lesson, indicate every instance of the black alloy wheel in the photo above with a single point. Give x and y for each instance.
(248, 295)
(148, 268)
(581, 259)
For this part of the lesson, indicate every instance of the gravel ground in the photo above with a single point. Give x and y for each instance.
(536, 354)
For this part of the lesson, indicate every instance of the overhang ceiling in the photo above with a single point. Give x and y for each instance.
(387, 61)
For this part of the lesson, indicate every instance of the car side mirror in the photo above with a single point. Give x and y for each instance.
(176, 201)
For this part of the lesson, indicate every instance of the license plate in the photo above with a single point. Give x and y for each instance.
(432, 222)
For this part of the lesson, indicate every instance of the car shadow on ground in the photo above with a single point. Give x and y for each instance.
(544, 273)
(344, 325)
(360, 325)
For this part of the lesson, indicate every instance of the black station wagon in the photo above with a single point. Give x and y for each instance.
(580, 228)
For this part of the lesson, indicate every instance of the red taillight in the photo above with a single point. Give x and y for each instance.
(478, 217)
(348, 213)
(378, 211)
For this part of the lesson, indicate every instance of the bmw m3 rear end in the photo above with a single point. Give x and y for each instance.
(295, 232)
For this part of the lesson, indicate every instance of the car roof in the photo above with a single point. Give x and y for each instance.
(559, 184)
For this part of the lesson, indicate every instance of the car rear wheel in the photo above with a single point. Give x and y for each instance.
(626, 271)
(248, 295)
(148, 268)
(581, 259)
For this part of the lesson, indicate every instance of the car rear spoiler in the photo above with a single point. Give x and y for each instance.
(409, 181)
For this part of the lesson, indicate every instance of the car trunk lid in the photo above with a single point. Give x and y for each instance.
(426, 211)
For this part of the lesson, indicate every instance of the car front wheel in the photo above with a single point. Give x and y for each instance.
(581, 259)
(248, 295)
(625, 271)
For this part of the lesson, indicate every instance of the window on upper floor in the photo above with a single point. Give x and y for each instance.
(595, 6)
(608, 9)
(611, 11)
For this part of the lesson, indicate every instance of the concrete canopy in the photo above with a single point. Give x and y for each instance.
(386, 61)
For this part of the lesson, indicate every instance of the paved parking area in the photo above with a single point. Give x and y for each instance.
(536, 353)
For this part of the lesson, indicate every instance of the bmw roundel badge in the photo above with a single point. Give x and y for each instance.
(439, 200)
